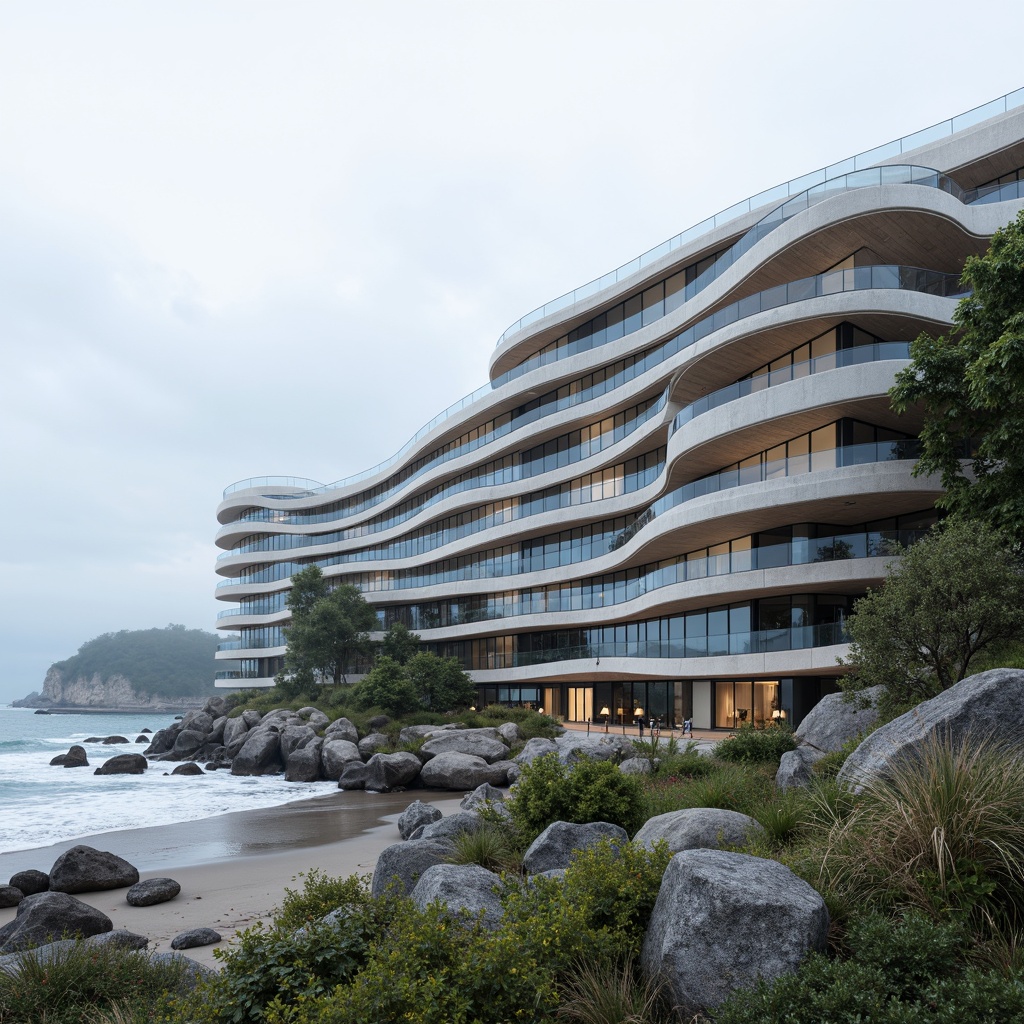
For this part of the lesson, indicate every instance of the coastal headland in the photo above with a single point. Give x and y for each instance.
(234, 868)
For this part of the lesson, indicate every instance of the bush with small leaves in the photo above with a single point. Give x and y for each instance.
(755, 745)
(587, 791)
(910, 971)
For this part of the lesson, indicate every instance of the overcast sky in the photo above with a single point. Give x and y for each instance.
(242, 238)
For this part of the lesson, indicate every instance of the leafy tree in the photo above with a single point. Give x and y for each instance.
(440, 683)
(329, 629)
(386, 686)
(399, 643)
(970, 384)
(954, 594)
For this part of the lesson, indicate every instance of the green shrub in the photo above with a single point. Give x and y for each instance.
(587, 791)
(284, 969)
(320, 895)
(755, 745)
(901, 972)
(743, 787)
(531, 723)
(828, 766)
(83, 980)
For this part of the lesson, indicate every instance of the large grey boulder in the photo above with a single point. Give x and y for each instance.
(234, 730)
(554, 847)
(403, 863)
(611, 747)
(335, 754)
(451, 827)
(197, 721)
(353, 776)
(47, 916)
(162, 740)
(986, 706)
(341, 729)
(84, 869)
(188, 742)
(188, 768)
(458, 887)
(251, 717)
(422, 732)
(636, 766)
(482, 796)
(74, 758)
(10, 896)
(510, 733)
(480, 743)
(385, 772)
(192, 972)
(537, 747)
(723, 920)
(698, 828)
(796, 768)
(461, 771)
(304, 764)
(313, 717)
(370, 744)
(123, 764)
(834, 720)
(30, 881)
(416, 815)
(152, 891)
(295, 737)
(260, 754)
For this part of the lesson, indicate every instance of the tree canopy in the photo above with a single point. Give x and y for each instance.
(955, 594)
(328, 631)
(400, 643)
(970, 384)
(425, 683)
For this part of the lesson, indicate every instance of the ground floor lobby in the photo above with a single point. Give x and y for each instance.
(711, 704)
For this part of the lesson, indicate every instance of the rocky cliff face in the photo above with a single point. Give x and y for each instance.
(96, 692)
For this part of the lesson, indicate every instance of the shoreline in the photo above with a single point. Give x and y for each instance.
(233, 873)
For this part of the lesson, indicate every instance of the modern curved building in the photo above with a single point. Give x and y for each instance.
(681, 476)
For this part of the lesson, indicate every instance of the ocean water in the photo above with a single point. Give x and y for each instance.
(41, 805)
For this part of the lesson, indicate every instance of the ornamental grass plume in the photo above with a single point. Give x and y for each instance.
(943, 831)
(611, 993)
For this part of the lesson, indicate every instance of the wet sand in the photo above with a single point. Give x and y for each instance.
(233, 869)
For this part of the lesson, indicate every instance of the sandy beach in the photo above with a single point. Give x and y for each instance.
(233, 868)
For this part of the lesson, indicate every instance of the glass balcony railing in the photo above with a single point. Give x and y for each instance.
(832, 458)
(779, 193)
(794, 465)
(763, 641)
(875, 352)
(605, 593)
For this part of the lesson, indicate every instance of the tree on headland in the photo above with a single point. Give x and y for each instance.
(970, 384)
(955, 595)
(328, 631)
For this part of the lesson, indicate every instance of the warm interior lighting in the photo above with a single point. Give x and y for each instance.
(638, 712)
(605, 712)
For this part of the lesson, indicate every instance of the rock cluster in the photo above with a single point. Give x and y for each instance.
(49, 918)
(307, 747)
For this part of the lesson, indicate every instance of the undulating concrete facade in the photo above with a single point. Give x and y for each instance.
(679, 477)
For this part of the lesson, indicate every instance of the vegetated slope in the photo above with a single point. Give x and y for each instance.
(169, 662)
